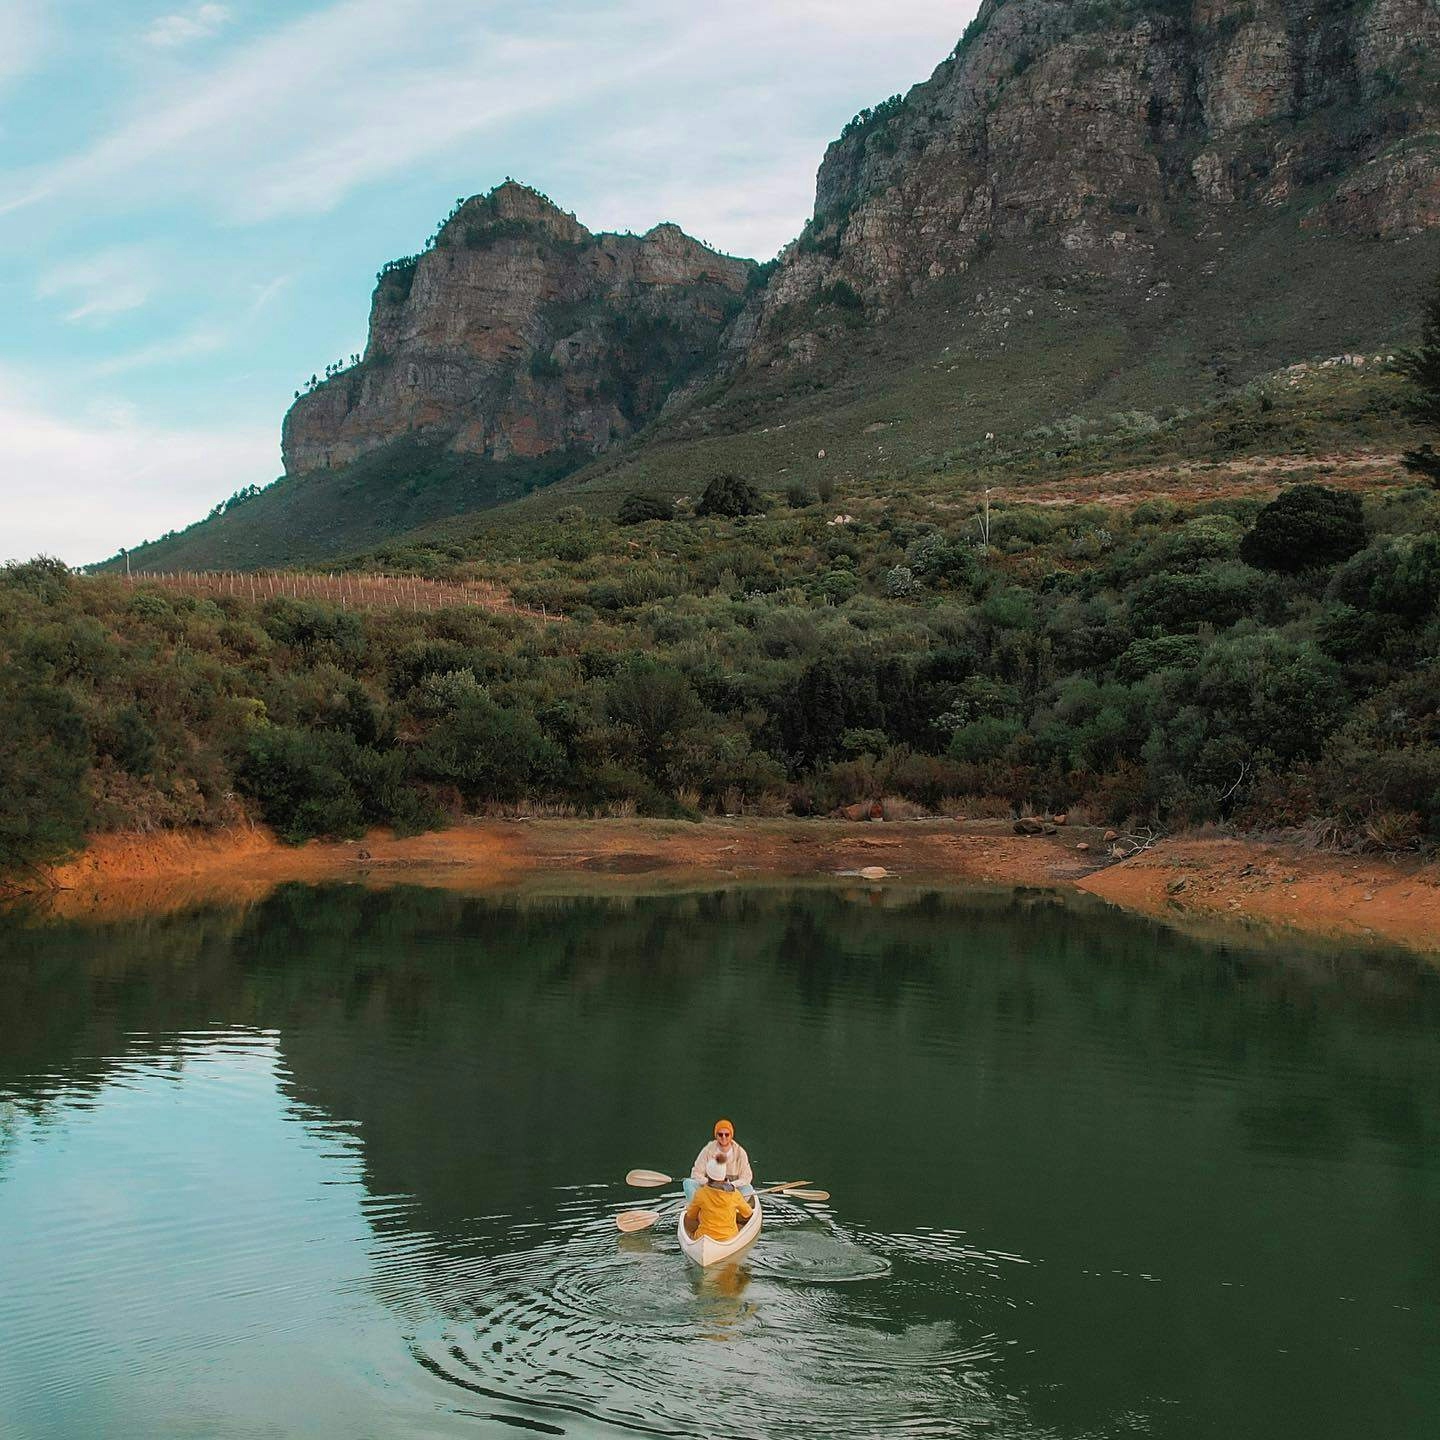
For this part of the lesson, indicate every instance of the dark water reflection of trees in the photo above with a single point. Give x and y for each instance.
(1050, 1078)
(490, 999)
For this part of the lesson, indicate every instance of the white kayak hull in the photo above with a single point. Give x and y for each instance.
(705, 1252)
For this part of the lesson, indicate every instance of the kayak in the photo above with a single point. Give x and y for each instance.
(705, 1251)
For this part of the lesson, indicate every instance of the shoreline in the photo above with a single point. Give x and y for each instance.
(1276, 886)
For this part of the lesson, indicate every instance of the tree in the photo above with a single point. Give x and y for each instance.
(44, 759)
(730, 495)
(1421, 367)
(654, 703)
(489, 752)
(1307, 527)
(637, 508)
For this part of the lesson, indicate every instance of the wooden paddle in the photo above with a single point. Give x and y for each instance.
(632, 1220)
(647, 1179)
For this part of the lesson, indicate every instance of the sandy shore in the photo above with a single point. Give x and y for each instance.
(1180, 879)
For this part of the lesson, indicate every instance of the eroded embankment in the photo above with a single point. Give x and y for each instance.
(1315, 892)
(1181, 880)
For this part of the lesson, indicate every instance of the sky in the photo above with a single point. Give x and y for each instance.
(194, 198)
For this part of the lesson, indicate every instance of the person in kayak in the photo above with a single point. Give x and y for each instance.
(731, 1153)
(716, 1208)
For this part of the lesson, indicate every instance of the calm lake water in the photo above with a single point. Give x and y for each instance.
(344, 1164)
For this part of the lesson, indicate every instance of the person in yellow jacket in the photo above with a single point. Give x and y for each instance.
(718, 1208)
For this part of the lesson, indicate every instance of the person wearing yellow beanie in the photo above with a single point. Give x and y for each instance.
(731, 1153)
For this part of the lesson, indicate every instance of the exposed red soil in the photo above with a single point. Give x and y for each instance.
(1216, 480)
(1179, 879)
(1321, 894)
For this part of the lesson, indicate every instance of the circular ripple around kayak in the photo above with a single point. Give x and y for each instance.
(820, 1257)
(622, 1331)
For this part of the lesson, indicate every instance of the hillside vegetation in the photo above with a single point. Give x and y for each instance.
(1086, 210)
(1141, 657)
(1038, 361)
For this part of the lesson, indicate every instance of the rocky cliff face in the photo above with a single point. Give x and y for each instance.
(1091, 205)
(519, 334)
(1088, 135)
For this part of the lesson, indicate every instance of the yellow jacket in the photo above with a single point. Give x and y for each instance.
(718, 1211)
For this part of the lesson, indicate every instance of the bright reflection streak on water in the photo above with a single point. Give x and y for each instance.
(346, 1165)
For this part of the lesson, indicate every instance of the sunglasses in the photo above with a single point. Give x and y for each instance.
(723, 1134)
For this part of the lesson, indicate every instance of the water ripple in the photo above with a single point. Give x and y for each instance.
(622, 1331)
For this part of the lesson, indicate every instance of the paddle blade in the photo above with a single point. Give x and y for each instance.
(811, 1195)
(632, 1220)
(787, 1185)
(646, 1179)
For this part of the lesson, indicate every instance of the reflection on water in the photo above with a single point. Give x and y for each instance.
(346, 1163)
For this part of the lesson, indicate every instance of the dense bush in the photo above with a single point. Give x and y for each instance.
(1308, 527)
(1421, 366)
(44, 758)
(638, 508)
(730, 495)
(1133, 662)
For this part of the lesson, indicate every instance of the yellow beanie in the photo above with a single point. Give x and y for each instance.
(719, 1124)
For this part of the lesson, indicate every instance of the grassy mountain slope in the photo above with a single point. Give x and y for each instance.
(1087, 210)
(917, 396)
(310, 519)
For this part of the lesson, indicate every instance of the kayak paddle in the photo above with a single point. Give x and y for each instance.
(647, 1179)
(632, 1220)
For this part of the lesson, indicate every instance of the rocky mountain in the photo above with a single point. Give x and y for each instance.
(1091, 207)
(1096, 132)
(518, 334)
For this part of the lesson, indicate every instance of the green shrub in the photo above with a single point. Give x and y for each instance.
(44, 760)
(1307, 527)
(490, 753)
(304, 782)
(1162, 652)
(730, 495)
(1399, 575)
(44, 578)
(985, 739)
(842, 295)
(128, 738)
(637, 508)
(1218, 596)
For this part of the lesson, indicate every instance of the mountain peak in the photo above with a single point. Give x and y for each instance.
(520, 335)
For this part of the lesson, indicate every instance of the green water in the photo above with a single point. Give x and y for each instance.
(344, 1164)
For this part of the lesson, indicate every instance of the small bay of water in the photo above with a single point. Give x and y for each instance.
(344, 1163)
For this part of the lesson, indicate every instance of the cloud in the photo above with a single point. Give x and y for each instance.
(171, 31)
(293, 121)
(199, 340)
(207, 338)
(82, 488)
(101, 286)
(21, 38)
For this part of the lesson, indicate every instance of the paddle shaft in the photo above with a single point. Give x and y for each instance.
(631, 1221)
